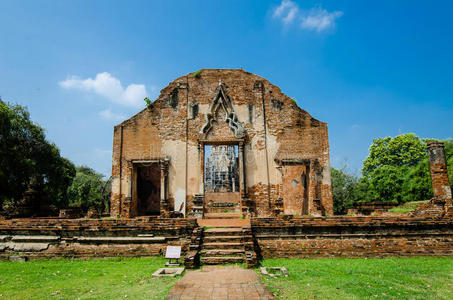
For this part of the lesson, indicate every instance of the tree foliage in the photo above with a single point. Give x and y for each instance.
(449, 154)
(402, 150)
(385, 183)
(88, 189)
(397, 169)
(346, 190)
(27, 159)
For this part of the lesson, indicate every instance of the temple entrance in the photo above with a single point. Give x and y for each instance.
(147, 194)
(221, 179)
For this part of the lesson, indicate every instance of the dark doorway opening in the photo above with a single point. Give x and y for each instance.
(148, 189)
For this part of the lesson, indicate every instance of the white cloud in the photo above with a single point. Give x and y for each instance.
(108, 115)
(316, 19)
(101, 153)
(354, 128)
(110, 88)
(319, 19)
(286, 11)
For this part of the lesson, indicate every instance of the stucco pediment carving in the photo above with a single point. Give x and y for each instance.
(222, 101)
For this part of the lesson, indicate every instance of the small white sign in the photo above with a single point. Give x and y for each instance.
(173, 252)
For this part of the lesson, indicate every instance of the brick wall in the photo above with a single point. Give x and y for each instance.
(353, 236)
(93, 238)
(341, 236)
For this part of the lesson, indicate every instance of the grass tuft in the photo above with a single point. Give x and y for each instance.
(197, 74)
(406, 208)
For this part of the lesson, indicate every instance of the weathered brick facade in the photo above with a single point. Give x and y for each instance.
(283, 151)
(283, 162)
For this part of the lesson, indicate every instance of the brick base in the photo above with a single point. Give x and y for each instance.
(352, 236)
(286, 236)
(93, 238)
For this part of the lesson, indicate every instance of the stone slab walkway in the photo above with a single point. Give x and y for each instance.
(220, 283)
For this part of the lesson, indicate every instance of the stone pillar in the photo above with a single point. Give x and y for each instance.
(164, 209)
(201, 171)
(127, 208)
(242, 170)
(438, 167)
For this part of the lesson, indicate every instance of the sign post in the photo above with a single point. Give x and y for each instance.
(173, 254)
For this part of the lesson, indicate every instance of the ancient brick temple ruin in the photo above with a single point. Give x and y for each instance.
(217, 145)
(221, 140)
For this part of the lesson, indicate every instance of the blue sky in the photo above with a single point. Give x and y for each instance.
(369, 69)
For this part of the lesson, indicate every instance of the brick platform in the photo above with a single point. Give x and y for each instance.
(286, 236)
(347, 236)
(93, 237)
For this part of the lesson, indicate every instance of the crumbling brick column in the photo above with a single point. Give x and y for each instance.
(439, 175)
(164, 203)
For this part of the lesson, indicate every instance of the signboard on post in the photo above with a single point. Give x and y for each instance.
(173, 252)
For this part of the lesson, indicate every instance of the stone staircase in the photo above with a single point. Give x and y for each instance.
(227, 241)
(222, 246)
(197, 208)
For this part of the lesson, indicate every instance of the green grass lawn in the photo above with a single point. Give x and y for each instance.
(407, 208)
(338, 278)
(130, 278)
(114, 278)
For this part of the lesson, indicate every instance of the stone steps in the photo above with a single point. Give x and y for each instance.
(222, 252)
(223, 239)
(218, 260)
(223, 231)
(227, 241)
(222, 246)
(223, 223)
(228, 215)
(226, 244)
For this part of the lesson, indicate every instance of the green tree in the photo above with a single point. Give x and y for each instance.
(27, 159)
(402, 150)
(397, 169)
(346, 189)
(448, 144)
(417, 183)
(88, 189)
(385, 183)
